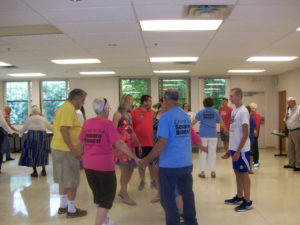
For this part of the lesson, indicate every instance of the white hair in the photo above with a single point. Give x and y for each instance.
(35, 110)
(290, 99)
(99, 105)
(253, 105)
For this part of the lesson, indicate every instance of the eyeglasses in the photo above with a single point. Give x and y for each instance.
(105, 102)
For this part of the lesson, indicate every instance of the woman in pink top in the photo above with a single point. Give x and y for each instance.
(97, 139)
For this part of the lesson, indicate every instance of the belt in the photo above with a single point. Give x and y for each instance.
(294, 129)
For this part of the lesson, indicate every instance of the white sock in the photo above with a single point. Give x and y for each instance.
(63, 201)
(71, 206)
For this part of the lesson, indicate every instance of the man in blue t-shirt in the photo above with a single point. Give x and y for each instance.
(175, 166)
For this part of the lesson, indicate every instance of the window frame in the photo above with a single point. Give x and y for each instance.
(29, 95)
(148, 80)
(219, 97)
(67, 85)
(188, 88)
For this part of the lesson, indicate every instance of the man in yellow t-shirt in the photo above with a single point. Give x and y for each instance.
(65, 155)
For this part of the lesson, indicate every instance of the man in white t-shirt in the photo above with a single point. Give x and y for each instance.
(239, 147)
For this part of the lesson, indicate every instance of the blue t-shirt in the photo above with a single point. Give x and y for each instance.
(251, 129)
(208, 118)
(175, 125)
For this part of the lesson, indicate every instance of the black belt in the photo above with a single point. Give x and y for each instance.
(294, 129)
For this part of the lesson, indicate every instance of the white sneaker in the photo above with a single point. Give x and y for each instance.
(108, 222)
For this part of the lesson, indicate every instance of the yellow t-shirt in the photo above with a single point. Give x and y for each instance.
(65, 116)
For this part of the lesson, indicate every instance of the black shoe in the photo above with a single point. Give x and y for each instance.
(43, 173)
(244, 206)
(296, 169)
(288, 166)
(234, 201)
(182, 220)
(34, 174)
(9, 159)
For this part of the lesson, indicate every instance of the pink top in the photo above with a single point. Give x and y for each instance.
(98, 136)
(195, 138)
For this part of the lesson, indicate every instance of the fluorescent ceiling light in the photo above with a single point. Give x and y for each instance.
(272, 58)
(298, 29)
(4, 64)
(173, 59)
(179, 25)
(171, 85)
(97, 73)
(26, 74)
(171, 71)
(75, 61)
(246, 71)
(212, 84)
(211, 89)
(174, 80)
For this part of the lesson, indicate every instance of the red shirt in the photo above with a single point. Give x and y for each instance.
(225, 114)
(257, 119)
(142, 122)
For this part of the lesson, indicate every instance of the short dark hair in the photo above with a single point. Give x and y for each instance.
(183, 104)
(208, 102)
(237, 91)
(249, 109)
(226, 99)
(76, 93)
(171, 94)
(145, 98)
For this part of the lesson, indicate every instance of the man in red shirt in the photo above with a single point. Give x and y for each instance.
(257, 119)
(142, 121)
(225, 113)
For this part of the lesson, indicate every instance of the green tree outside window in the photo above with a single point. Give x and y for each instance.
(215, 88)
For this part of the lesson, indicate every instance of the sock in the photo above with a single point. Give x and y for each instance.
(63, 201)
(71, 206)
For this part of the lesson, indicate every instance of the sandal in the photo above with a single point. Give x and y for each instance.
(156, 199)
(201, 175)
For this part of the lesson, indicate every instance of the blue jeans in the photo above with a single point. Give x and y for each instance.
(168, 179)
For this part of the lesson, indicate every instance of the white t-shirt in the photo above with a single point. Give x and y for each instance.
(192, 115)
(239, 116)
(293, 120)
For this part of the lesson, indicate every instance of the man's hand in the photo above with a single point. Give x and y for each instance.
(119, 155)
(76, 153)
(236, 156)
(143, 163)
(204, 148)
(15, 134)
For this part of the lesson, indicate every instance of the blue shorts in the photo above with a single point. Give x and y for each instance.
(243, 164)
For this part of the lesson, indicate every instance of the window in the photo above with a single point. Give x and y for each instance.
(215, 88)
(18, 97)
(54, 93)
(135, 87)
(182, 85)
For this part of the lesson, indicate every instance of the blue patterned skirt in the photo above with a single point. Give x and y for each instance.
(35, 149)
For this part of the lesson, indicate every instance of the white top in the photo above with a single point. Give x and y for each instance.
(293, 120)
(80, 116)
(36, 122)
(239, 116)
(192, 115)
(4, 124)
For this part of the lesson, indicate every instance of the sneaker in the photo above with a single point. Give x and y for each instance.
(244, 206)
(256, 164)
(77, 213)
(34, 174)
(234, 201)
(142, 185)
(108, 222)
(62, 210)
(153, 185)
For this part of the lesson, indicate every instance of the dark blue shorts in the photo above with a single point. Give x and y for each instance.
(243, 164)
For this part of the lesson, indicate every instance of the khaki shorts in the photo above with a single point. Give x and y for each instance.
(66, 169)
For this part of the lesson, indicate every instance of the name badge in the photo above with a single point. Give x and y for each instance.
(141, 115)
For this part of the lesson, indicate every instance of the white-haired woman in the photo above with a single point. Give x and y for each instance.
(36, 145)
(97, 138)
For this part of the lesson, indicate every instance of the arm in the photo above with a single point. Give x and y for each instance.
(224, 127)
(24, 128)
(121, 146)
(4, 125)
(194, 122)
(66, 136)
(116, 119)
(156, 151)
(242, 143)
(80, 146)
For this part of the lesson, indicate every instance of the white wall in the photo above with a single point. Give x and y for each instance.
(98, 87)
(267, 85)
(290, 82)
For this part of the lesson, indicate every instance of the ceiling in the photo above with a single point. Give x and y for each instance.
(110, 31)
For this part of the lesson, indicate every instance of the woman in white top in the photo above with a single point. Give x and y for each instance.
(187, 109)
(36, 145)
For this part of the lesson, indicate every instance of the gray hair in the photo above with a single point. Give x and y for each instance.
(253, 105)
(35, 110)
(76, 93)
(171, 94)
(99, 104)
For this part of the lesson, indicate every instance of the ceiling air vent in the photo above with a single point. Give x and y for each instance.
(183, 63)
(8, 67)
(209, 12)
